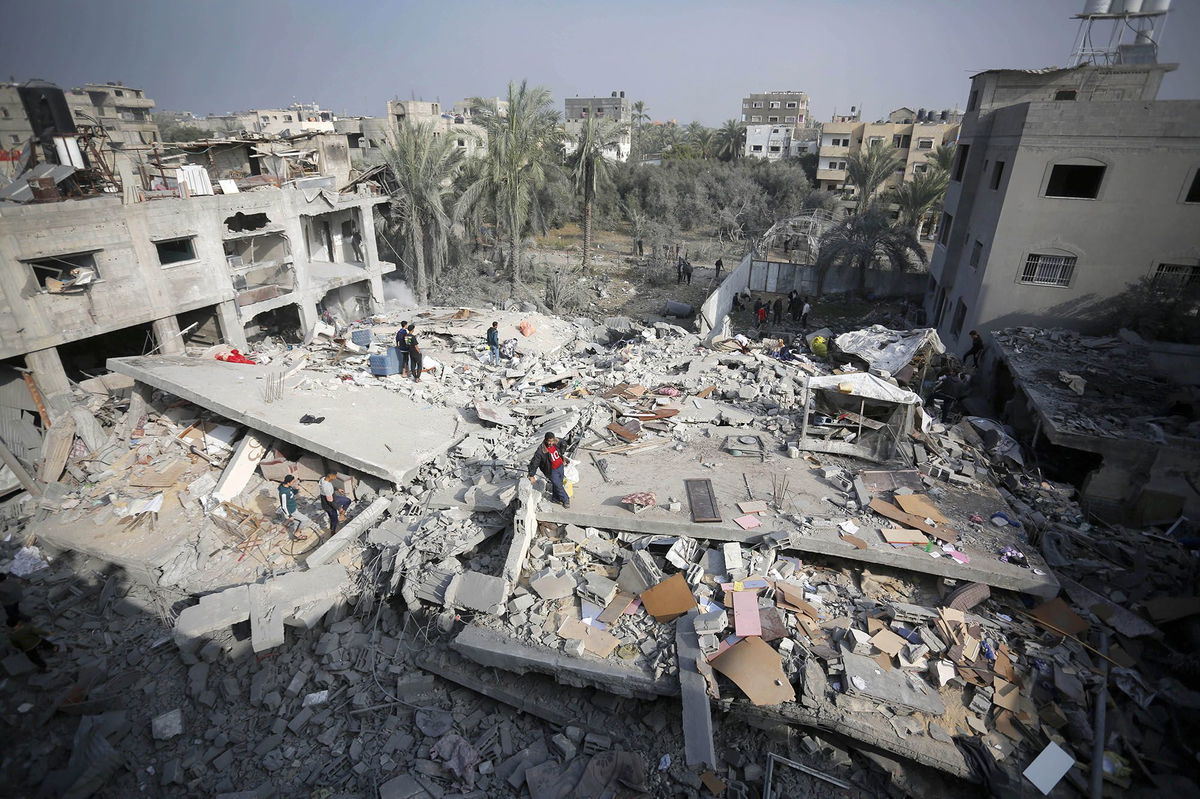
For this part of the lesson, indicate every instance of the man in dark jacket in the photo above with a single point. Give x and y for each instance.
(550, 461)
(414, 353)
(402, 347)
(493, 342)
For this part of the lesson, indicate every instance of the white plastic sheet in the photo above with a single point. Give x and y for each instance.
(888, 350)
(868, 386)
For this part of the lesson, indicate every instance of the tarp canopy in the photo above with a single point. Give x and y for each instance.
(889, 350)
(862, 384)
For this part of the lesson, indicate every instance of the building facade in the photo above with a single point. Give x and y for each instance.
(84, 280)
(774, 142)
(457, 126)
(614, 108)
(125, 112)
(1068, 185)
(914, 137)
(776, 108)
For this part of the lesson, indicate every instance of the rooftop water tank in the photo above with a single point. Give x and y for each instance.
(1156, 6)
(1127, 6)
(1096, 7)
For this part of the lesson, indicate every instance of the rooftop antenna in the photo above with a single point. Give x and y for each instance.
(1119, 31)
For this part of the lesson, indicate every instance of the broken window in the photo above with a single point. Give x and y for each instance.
(1075, 181)
(960, 316)
(997, 174)
(902, 142)
(1178, 276)
(1048, 270)
(240, 222)
(976, 252)
(944, 232)
(960, 166)
(65, 272)
(973, 100)
(1064, 94)
(1193, 192)
(175, 251)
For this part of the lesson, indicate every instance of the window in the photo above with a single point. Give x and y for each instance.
(174, 251)
(118, 93)
(902, 142)
(774, 148)
(772, 119)
(758, 103)
(1064, 94)
(944, 231)
(1193, 192)
(997, 174)
(1177, 276)
(789, 119)
(976, 252)
(462, 142)
(774, 104)
(61, 269)
(1075, 181)
(756, 148)
(973, 100)
(919, 168)
(792, 104)
(875, 140)
(960, 316)
(756, 119)
(960, 166)
(924, 144)
(900, 170)
(4, 112)
(287, 117)
(14, 138)
(1048, 270)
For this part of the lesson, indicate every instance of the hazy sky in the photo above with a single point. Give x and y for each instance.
(687, 59)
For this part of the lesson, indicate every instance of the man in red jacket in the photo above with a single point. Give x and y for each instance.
(550, 461)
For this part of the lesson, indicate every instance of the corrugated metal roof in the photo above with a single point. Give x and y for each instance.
(19, 192)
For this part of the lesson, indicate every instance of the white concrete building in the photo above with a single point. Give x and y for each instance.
(1069, 185)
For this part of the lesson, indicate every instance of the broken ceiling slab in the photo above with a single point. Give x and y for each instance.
(375, 431)
(864, 677)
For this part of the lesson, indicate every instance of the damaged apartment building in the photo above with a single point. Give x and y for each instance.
(213, 246)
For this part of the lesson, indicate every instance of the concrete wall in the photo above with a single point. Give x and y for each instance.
(134, 287)
(1004, 87)
(1150, 151)
(713, 319)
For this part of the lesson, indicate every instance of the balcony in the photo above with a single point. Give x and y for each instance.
(831, 174)
(834, 152)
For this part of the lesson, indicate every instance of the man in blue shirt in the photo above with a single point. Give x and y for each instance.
(402, 347)
(493, 342)
(287, 507)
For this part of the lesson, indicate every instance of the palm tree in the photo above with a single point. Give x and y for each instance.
(730, 140)
(589, 165)
(943, 157)
(693, 130)
(706, 142)
(423, 168)
(639, 117)
(860, 240)
(919, 196)
(868, 169)
(522, 139)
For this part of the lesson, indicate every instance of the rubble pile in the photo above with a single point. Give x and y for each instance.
(759, 538)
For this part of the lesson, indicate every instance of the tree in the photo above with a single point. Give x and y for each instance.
(423, 168)
(868, 169)
(860, 240)
(639, 118)
(943, 157)
(919, 196)
(522, 139)
(730, 140)
(706, 142)
(589, 165)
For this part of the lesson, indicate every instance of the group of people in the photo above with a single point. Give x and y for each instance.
(334, 502)
(409, 350)
(798, 308)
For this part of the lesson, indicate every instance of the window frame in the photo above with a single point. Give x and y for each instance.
(921, 143)
(944, 228)
(190, 239)
(1190, 185)
(976, 257)
(1163, 281)
(960, 163)
(1083, 161)
(1059, 284)
(959, 318)
(33, 263)
(997, 176)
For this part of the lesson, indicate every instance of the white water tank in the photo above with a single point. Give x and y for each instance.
(1092, 7)
(1156, 6)
(1127, 7)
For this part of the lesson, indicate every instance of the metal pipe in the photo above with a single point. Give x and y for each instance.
(1097, 784)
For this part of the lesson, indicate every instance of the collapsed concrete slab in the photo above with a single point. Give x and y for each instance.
(348, 534)
(375, 431)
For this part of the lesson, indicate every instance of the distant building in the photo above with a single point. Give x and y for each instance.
(366, 138)
(457, 126)
(1069, 184)
(125, 113)
(615, 108)
(913, 134)
(775, 142)
(296, 118)
(776, 108)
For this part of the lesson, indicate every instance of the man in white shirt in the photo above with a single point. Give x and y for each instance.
(325, 487)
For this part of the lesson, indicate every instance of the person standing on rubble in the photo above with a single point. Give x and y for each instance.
(719, 266)
(550, 461)
(402, 347)
(493, 342)
(760, 313)
(777, 311)
(949, 391)
(976, 349)
(687, 272)
(287, 507)
(325, 488)
(804, 312)
(414, 353)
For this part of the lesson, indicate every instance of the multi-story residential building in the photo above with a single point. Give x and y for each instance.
(915, 135)
(125, 113)
(455, 125)
(87, 279)
(14, 130)
(296, 118)
(775, 108)
(1068, 185)
(774, 142)
(615, 108)
(366, 138)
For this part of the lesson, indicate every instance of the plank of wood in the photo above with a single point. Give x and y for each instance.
(890, 511)
(702, 500)
(922, 506)
(621, 432)
(899, 535)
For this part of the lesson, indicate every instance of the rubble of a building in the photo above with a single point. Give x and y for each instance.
(776, 574)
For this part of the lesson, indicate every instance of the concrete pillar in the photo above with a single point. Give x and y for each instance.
(48, 372)
(166, 336)
(308, 315)
(233, 332)
(376, 283)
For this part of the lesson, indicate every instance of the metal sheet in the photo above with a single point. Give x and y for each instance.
(702, 500)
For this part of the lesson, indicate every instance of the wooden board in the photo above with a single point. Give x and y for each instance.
(702, 500)
(920, 505)
(899, 535)
(890, 511)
